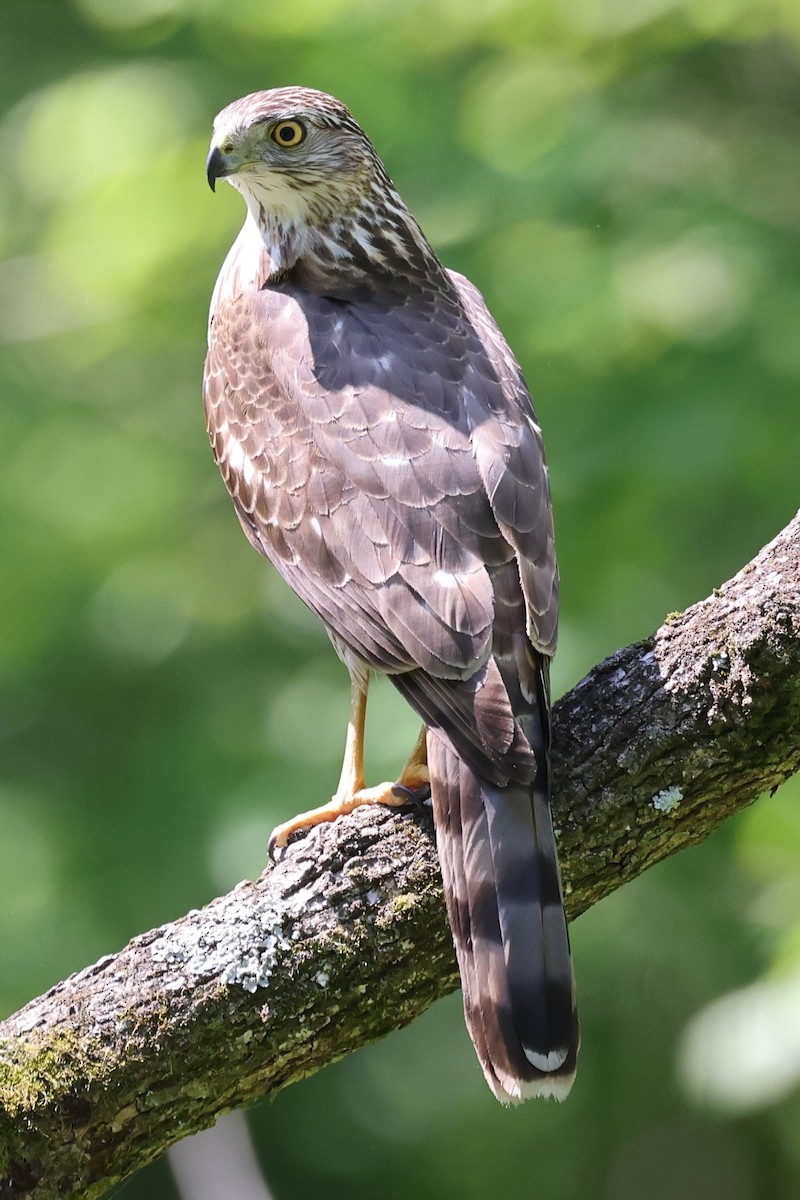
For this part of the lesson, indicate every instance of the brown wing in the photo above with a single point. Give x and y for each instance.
(384, 456)
(382, 452)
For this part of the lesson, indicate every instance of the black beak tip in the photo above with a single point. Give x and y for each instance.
(215, 166)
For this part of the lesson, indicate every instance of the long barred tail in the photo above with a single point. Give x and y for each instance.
(503, 890)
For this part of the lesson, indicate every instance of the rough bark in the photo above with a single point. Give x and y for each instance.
(346, 938)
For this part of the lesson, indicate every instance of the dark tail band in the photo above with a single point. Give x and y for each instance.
(498, 855)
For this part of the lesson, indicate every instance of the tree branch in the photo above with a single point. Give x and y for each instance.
(346, 938)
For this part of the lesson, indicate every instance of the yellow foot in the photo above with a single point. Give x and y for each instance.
(411, 787)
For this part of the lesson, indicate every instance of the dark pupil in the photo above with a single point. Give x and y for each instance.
(287, 134)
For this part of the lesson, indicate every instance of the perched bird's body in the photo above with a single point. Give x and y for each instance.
(379, 443)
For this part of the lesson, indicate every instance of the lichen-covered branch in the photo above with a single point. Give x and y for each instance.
(346, 938)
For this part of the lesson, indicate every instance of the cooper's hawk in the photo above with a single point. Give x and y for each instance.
(380, 446)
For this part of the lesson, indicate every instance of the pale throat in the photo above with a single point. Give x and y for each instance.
(283, 220)
(332, 230)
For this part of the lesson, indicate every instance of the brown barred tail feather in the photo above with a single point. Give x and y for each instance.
(503, 892)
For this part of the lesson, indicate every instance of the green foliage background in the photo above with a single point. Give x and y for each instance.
(622, 180)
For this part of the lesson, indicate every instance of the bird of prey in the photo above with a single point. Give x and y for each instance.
(380, 447)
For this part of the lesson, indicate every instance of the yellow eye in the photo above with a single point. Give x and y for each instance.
(288, 133)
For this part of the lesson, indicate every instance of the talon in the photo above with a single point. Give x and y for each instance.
(415, 797)
(281, 834)
(413, 786)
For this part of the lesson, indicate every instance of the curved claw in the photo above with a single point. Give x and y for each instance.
(416, 797)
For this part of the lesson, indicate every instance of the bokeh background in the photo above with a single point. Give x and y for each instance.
(622, 179)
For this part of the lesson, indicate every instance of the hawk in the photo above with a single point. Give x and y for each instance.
(380, 447)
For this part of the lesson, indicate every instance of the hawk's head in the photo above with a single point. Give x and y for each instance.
(296, 152)
(315, 187)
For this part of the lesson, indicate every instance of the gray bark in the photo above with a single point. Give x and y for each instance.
(346, 938)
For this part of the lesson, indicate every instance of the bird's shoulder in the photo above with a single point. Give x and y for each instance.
(413, 406)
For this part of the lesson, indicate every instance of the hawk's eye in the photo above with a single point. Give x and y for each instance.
(288, 133)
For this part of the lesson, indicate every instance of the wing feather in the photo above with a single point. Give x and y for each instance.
(386, 458)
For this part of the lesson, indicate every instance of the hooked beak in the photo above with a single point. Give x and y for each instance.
(218, 165)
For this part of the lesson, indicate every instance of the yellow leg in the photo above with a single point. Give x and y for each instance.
(351, 793)
(415, 775)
